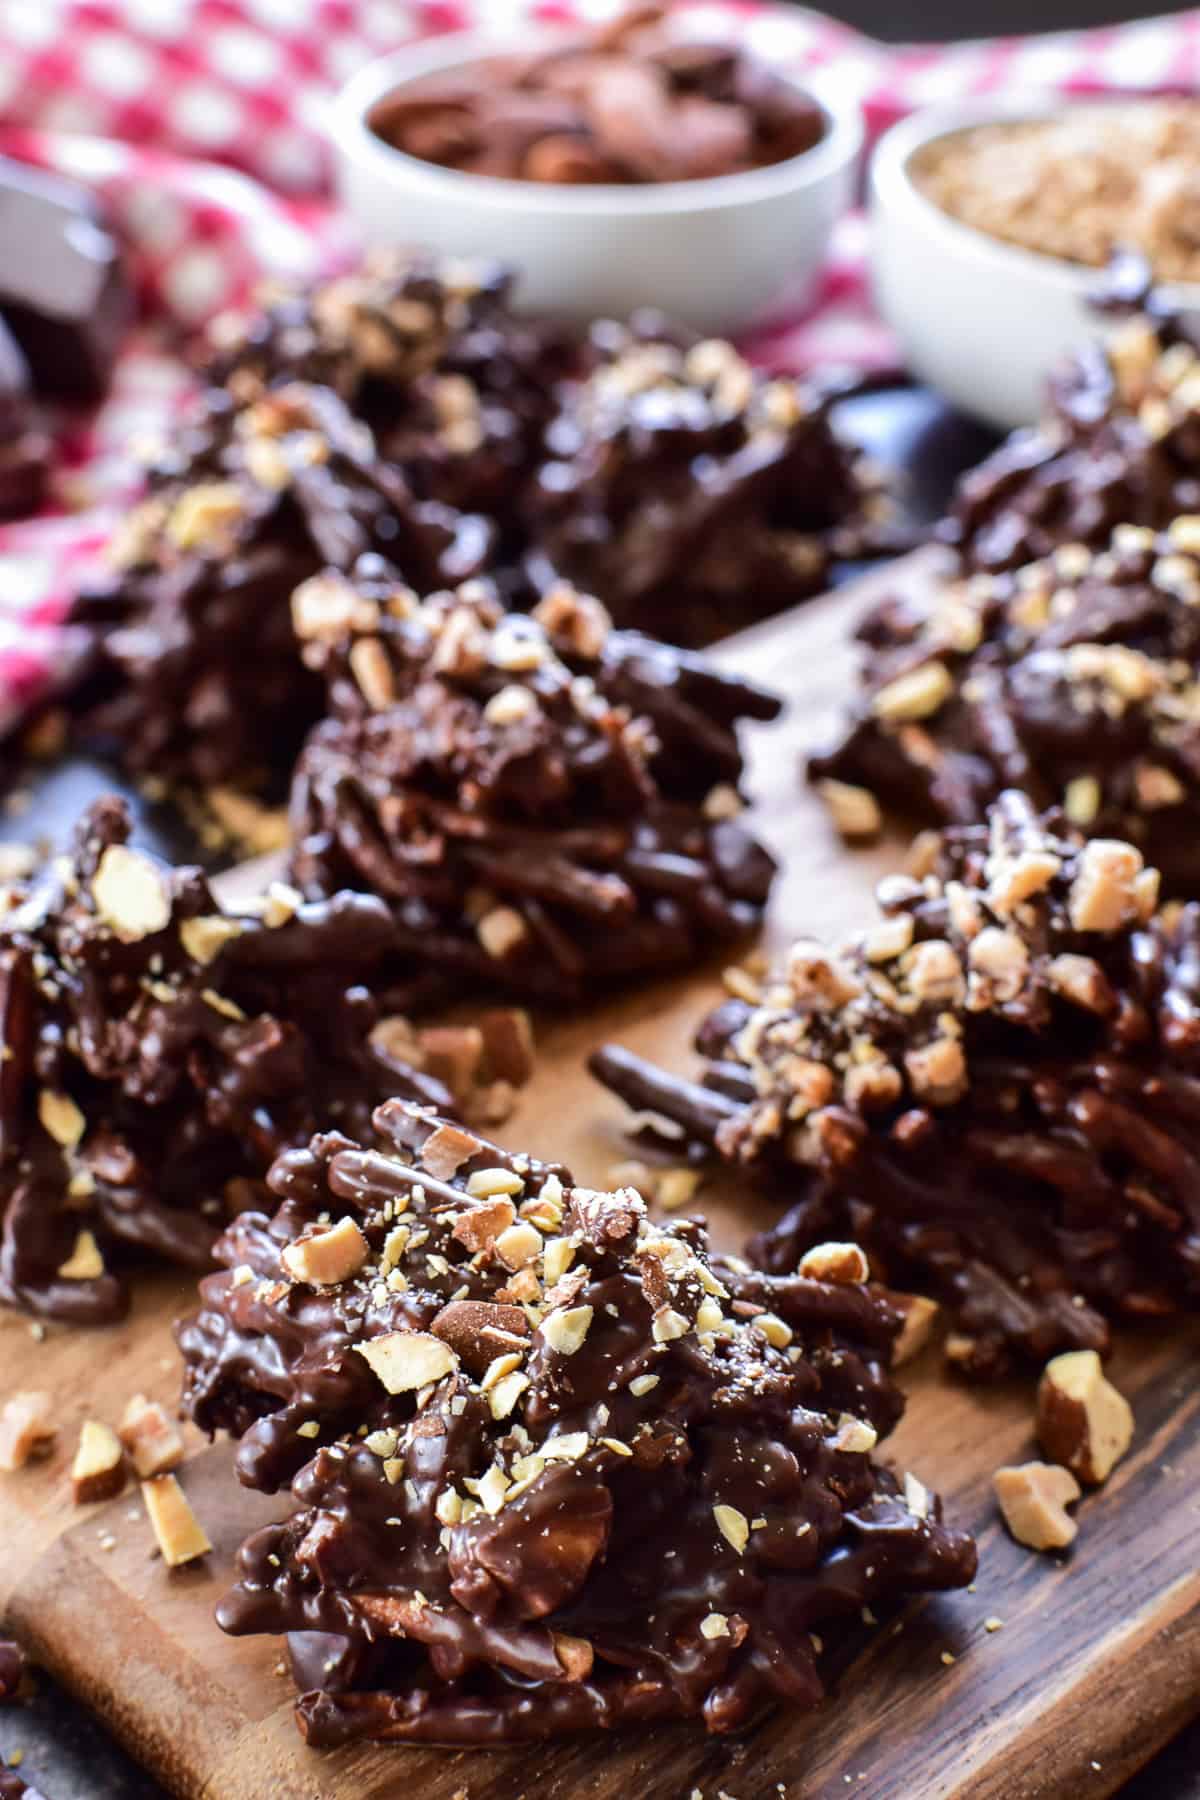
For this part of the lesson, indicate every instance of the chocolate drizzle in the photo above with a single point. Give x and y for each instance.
(549, 805)
(158, 1053)
(600, 1476)
(994, 1090)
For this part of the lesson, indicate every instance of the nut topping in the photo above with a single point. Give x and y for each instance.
(1083, 1421)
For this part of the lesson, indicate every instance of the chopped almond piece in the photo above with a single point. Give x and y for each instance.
(1033, 1499)
(404, 1360)
(508, 1044)
(98, 1471)
(446, 1150)
(843, 1264)
(920, 1317)
(85, 1262)
(328, 1256)
(1083, 1422)
(453, 1054)
(26, 1429)
(151, 1437)
(181, 1537)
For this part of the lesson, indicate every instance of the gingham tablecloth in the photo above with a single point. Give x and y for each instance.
(200, 123)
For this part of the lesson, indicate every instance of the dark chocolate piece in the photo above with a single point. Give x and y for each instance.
(1074, 678)
(631, 101)
(24, 446)
(549, 805)
(158, 1053)
(200, 678)
(995, 1089)
(693, 493)
(63, 292)
(562, 1468)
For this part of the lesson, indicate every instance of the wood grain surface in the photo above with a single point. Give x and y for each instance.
(1095, 1664)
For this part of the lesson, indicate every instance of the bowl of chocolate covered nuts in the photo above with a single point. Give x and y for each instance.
(618, 167)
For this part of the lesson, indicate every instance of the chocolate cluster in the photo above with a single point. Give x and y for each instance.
(1074, 678)
(159, 1052)
(198, 678)
(1119, 443)
(689, 490)
(406, 410)
(555, 1466)
(548, 805)
(631, 101)
(993, 1089)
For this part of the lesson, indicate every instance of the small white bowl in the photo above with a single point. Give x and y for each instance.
(713, 253)
(983, 321)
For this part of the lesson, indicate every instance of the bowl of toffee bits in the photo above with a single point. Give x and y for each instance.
(625, 165)
(993, 219)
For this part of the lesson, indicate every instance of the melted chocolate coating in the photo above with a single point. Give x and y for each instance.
(691, 492)
(199, 678)
(158, 1054)
(998, 1097)
(12, 1668)
(1073, 679)
(641, 1512)
(546, 803)
(1119, 442)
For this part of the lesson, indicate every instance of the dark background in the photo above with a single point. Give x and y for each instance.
(900, 23)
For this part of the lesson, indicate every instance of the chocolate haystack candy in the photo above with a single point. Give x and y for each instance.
(1074, 678)
(158, 1053)
(993, 1089)
(562, 1468)
(428, 353)
(1119, 443)
(692, 492)
(200, 678)
(549, 805)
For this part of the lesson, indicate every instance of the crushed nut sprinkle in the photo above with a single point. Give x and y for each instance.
(545, 1403)
(1017, 1031)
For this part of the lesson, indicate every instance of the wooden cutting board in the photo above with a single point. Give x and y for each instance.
(1095, 1664)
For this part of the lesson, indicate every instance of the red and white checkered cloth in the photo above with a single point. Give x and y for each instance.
(200, 123)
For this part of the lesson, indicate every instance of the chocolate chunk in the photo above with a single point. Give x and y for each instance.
(158, 1053)
(693, 493)
(24, 447)
(1073, 678)
(993, 1089)
(531, 794)
(63, 292)
(640, 1507)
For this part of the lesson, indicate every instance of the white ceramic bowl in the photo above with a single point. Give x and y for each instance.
(981, 320)
(713, 253)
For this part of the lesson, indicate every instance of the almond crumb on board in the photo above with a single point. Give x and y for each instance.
(1033, 1499)
(151, 1438)
(98, 1471)
(27, 1429)
(180, 1536)
(1083, 1421)
(920, 1317)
